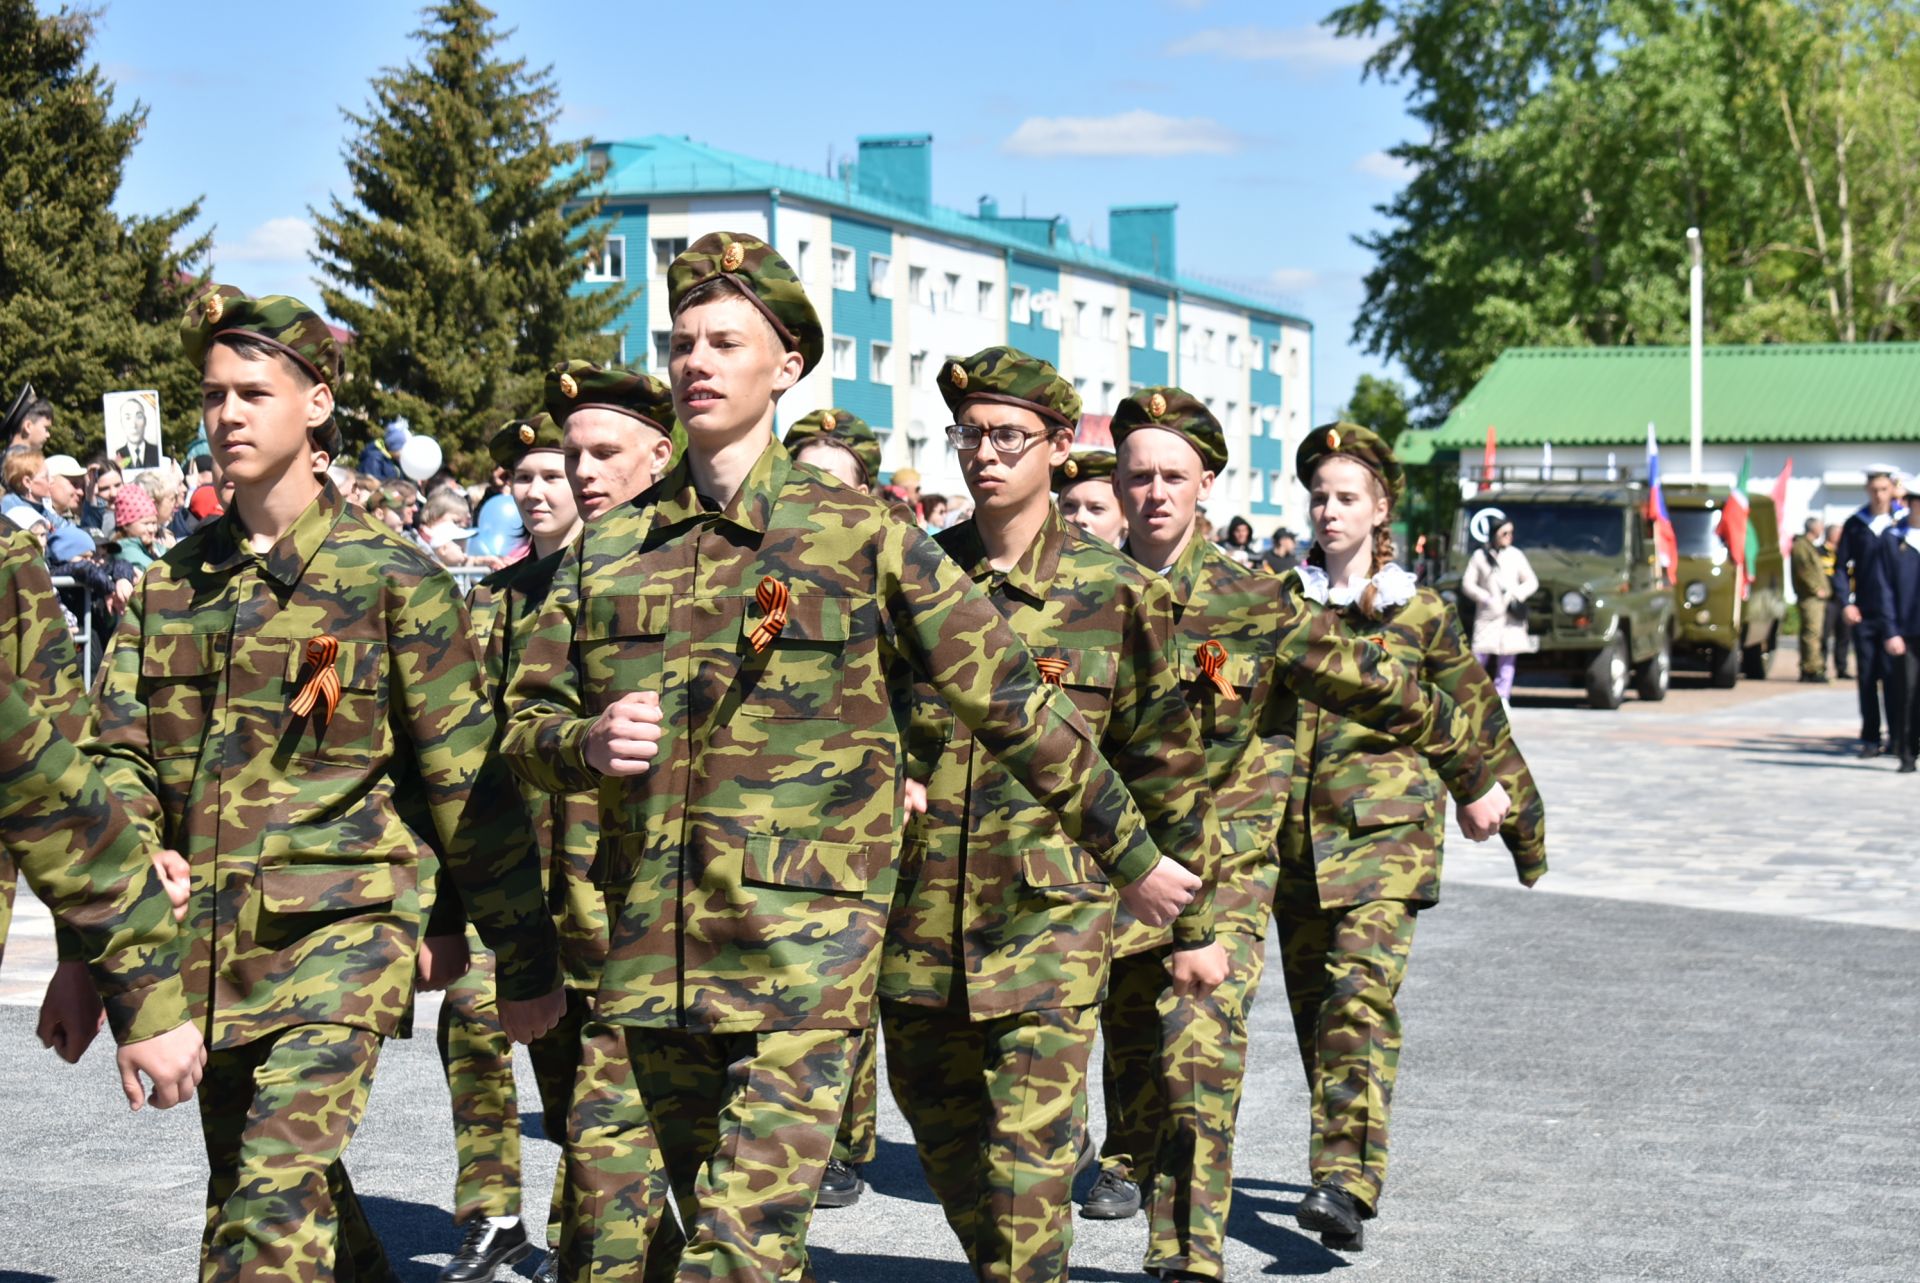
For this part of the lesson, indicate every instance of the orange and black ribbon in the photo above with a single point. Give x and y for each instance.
(1052, 669)
(773, 598)
(1213, 659)
(323, 682)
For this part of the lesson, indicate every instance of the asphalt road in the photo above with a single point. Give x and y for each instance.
(1691, 1054)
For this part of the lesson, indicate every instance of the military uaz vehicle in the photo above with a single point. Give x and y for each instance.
(1715, 627)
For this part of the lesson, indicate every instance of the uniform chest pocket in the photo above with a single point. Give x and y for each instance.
(1087, 676)
(1211, 669)
(622, 640)
(178, 673)
(356, 731)
(802, 669)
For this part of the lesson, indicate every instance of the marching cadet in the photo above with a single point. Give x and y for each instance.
(839, 443)
(613, 454)
(716, 659)
(1366, 822)
(294, 702)
(62, 829)
(1247, 640)
(1084, 484)
(996, 951)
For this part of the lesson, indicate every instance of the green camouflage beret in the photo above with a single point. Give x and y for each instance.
(579, 385)
(522, 437)
(842, 428)
(763, 276)
(1084, 465)
(274, 319)
(1363, 445)
(1178, 412)
(1008, 376)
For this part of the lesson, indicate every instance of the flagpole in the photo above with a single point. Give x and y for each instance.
(1696, 291)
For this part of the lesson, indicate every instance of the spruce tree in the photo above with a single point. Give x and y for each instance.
(455, 259)
(90, 301)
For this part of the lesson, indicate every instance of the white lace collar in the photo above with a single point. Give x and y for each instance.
(1395, 584)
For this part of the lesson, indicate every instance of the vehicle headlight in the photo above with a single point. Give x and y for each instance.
(1696, 594)
(1573, 602)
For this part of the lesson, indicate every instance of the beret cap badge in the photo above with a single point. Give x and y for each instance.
(957, 374)
(527, 434)
(732, 256)
(1333, 438)
(1071, 468)
(827, 422)
(569, 386)
(1156, 405)
(215, 307)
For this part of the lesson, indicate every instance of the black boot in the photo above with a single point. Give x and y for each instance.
(1906, 765)
(485, 1251)
(1112, 1198)
(1336, 1216)
(840, 1187)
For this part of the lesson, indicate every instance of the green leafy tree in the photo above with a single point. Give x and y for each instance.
(89, 299)
(1379, 404)
(455, 259)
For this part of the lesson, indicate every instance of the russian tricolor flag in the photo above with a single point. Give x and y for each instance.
(1666, 545)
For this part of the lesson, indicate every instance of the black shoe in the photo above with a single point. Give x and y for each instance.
(484, 1251)
(840, 1187)
(1335, 1215)
(1870, 750)
(1906, 766)
(1112, 1198)
(549, 1271)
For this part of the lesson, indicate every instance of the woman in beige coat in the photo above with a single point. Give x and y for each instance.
(1498, 582)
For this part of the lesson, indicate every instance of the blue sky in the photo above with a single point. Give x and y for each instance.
(1248, 115)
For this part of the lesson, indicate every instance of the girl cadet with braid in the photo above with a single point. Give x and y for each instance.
(1360, 850)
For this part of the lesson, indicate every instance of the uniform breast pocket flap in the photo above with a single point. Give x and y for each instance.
(1384, 812)
(1056, 866)
(638, 614)
(300, 886)
(356, 729)
(800, 671)
(1237, 666)
(844, 868)
(177, 675)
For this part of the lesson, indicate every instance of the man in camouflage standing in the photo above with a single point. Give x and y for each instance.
(996, 952)
(735, 631)
(1247, 641)
(293, 701)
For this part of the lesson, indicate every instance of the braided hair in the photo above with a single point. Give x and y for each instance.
(1383, 545)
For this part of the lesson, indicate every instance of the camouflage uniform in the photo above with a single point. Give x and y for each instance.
(59, 824)
(1360, 856)
(749, 872)
(1174, 1066)
(311, 835)
(997, 947)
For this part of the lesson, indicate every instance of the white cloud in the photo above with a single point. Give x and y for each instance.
(1131, 133)
(278, 240)
(1378, 164)
(1296, 46)
(1293, 279)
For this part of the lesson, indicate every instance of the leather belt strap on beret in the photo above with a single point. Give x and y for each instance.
(1052, 669)
(753, 297)
(1213, 659)
(773, 598)
(323, 681)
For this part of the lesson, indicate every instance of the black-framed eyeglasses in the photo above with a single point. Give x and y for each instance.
(1006, 440)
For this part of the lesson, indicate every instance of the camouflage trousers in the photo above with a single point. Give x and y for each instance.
(276, 1116)
(858, 1139)
(745, 1124)
(998, 1108)
(1343, 967)
(1174, 1068)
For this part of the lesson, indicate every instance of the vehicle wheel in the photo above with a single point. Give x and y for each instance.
(1607, 675)
(1725, 670)
(1759, 659)
(1651, 678)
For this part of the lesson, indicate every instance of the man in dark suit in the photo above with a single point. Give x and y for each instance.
(1854, 567)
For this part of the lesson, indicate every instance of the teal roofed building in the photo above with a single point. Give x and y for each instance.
(901, 283)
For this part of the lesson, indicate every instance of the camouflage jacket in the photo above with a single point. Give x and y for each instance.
(60, 825)
(994, 901)
(1371, 810)
(505, 605)
(1278, 647)
(749, 873)
(312, 838)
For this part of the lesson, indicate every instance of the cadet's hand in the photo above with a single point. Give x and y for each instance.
(1198, 972)
(1896, 646)
(175, 877)
(1481, 820)
(623, 740)
(525, 1021)
(1158, 898)
(174, 1061)
(70, 1014)
(1852, 614)
(443, 960)
(915, 798)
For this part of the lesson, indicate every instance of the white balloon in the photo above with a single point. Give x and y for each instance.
(420, 458)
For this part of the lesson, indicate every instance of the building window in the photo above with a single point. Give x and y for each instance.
(1082, 319)
(1293, 362)
(879, 276)
(1256, 355)
(917, 286)
(880, 367)
(1107, 330)
(1186, 341)
(1210, 346)
(1047, 303)
(1021, 311)
(1257, 490)
(1255, 423)
(916, 369)
(985, 295)
(611, 264)
(953, 300)
(1233, 350)
(1274, 355)
(1136, 329)
(1080, 390)
(842, 268)
(665, 250)
(1162, 334)
(619, 338)
(662, 350)
(802, 258)
(843, 358)
(1106, 398)
(1276, 484)
(1232, 421)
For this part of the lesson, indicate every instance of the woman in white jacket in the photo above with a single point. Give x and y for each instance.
(1498, 582)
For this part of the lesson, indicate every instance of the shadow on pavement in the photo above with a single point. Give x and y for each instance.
(855, 1267)
(21, 1276)
(895, 1172)
(1262, 1218)
(409, 1231)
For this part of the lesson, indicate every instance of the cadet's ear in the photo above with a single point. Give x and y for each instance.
(788, 372)
(319, 404)
(1206, 485)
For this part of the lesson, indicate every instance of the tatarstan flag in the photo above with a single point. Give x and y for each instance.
(1742, 540)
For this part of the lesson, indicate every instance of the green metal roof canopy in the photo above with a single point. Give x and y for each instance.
(1607, 396)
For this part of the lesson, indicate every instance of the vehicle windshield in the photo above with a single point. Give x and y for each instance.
(1584, 528)
(1694, 530)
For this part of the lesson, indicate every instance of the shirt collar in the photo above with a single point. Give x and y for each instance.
(751, 509)
(1183, 576)
(1032, 575)
(287, 560)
